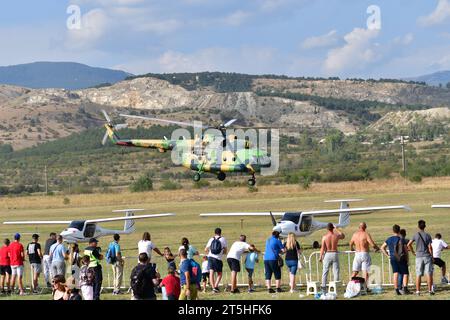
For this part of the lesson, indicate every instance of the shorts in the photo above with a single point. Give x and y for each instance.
(17, 270)
(37, 267)
(292, 266)
(192, 288)
(234, 264)
(424, 265)
(439, 262)
(362, 261)
(271, 266)
(399, 267)
(250, 272)
(205, 276)
(5, 270)
(214, 264)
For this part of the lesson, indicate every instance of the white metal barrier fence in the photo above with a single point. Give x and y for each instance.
(381, 271)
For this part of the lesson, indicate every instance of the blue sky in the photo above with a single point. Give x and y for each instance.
(293, 37)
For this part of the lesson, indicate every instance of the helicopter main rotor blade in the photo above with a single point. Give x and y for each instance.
(105, 137)
(229, 123)
(108, 119)
(184, 124)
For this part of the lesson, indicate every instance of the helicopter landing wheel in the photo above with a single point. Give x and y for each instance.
(197, 177)
(221, 176)
(251, 182)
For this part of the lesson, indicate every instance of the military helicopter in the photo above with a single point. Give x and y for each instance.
(195, 154)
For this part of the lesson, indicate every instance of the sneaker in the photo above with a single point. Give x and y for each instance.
(444, 280)
(406, 290)
(417, 293)
(21, 293)
(402, 292)
(216, 290)
(398, 292)
(271, 290)
(279, 290)
(3, 292)
(432, 293)
(291, 291)
(251, 290)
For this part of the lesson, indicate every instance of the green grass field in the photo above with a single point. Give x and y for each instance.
(187, 204)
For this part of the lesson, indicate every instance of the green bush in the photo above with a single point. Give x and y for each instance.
(170, 185)
(144, 183)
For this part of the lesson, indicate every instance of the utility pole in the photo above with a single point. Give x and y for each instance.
(402, 142)
(46, 179)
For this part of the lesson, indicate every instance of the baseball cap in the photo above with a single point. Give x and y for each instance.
(93, 240)
(17, 236)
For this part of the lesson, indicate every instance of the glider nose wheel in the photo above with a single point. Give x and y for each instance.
(197, 177)
(221, 176)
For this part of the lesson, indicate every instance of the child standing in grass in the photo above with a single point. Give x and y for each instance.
(205, 272)
(87, 279)
(250, 260)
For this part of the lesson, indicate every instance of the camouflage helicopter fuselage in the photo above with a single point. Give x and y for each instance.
(198, 155)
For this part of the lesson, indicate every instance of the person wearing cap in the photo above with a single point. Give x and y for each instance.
(172, 284)
(93, 251)
(58, 256)
(17, 257)
(34, 254)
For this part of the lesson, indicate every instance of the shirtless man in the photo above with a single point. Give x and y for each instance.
(329, 255)
(361, 239)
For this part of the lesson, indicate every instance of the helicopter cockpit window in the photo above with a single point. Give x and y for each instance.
(77, 225)
(306, 223)
(291, 216)
(90, 230)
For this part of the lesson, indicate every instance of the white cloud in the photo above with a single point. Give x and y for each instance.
(326, 40)
(404, 40)
(236, 18)
(358, 51)
(94, 24)
(438, 16)
(244, 59)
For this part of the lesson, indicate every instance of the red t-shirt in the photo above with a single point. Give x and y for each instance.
(4, 258)
(15, 249)
(172, 284)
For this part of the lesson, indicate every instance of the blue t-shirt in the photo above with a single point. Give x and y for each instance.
(392, 242)
(186, 266)
(58, 251)
(116, 247)
(273, 248)
(250, 260)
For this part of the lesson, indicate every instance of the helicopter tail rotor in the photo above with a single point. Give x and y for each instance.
(111, 129)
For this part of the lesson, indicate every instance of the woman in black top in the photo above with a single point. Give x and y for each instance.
(292, 256)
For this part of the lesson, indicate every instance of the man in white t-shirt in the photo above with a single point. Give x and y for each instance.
(438, 245)
(146, 246)
(234, 259)
(216, 248)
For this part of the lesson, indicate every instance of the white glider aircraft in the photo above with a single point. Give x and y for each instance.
(435, 206)
(303, 223)
(83, 230)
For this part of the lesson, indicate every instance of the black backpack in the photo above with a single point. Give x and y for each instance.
(138, 280)
(216, 246)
